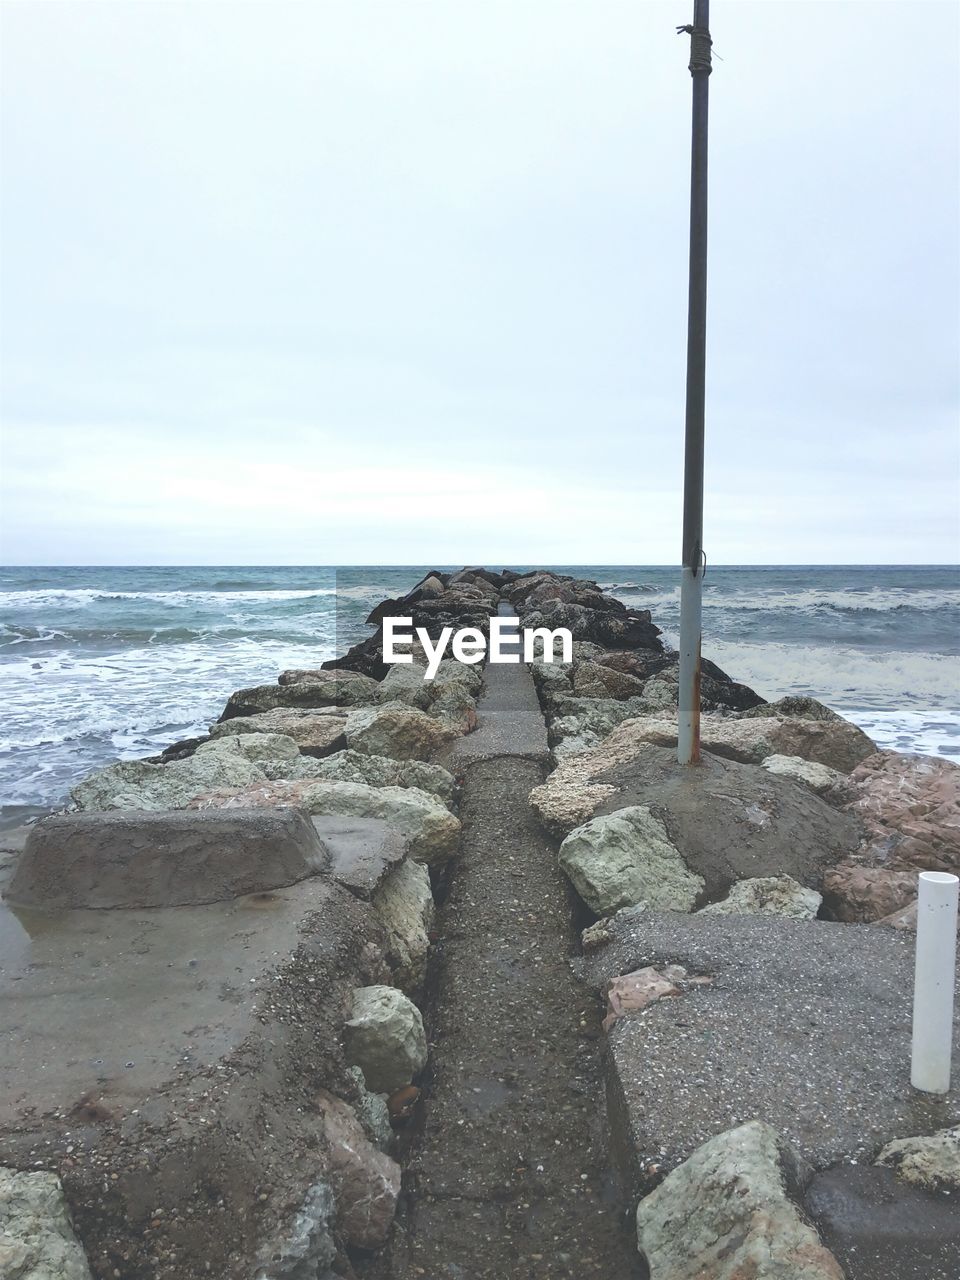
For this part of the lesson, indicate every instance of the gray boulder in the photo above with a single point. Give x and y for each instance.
(275, 753)
(593, 680)
(317, 689)
(372, 1111)
(304, 1247)
(431, 828)
(404, 905)
(770, 895)
(383, 771)
(162, 859)
(136, 784)
(627, 857)
(395, 729)
(727, 1213)
(36, 1235)
(820, 778)
(385, 1038)
(317, 733)
(932, 1162)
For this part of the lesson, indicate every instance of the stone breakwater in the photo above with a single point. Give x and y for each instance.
(216, 966)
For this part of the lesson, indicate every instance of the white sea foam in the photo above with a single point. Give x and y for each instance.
(805, 600)
(78, 597)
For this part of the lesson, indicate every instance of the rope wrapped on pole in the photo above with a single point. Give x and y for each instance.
(700, 48)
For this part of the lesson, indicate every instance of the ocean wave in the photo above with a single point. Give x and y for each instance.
(809, 601)
(841, 676)
(74, 597)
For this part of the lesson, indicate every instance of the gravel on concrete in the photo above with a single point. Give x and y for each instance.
(510, 1178)
(806, 1026)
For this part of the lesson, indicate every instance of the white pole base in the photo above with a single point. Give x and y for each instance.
(934, 979)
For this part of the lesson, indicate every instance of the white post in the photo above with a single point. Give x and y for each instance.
(688, 712)
(934, 978)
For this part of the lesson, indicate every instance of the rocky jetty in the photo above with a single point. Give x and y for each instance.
(235, 975)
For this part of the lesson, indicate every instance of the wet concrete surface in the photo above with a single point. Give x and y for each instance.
(124, 1000)
(879, 1227)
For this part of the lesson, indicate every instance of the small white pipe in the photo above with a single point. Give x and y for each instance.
(934, 978)
(688, 711)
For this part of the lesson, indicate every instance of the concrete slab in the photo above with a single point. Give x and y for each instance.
(806, 1026)
(878, 1227)
(164, 1063)
(164, 858)
(510, 722)
(362, 850)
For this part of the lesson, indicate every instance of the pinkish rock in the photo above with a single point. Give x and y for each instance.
(366, 1181)
(905, 919)
(910, 807)
(855, 893)
(631, 992)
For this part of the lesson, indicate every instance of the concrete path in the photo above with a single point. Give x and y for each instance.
(509, 1178)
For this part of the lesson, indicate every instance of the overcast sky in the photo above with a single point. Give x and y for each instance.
(402, 282)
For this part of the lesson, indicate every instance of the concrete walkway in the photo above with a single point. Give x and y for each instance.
(510, 1177)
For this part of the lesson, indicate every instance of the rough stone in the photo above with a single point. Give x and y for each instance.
(593, 680)
(36, 1235)
(855, 893)
(366, 1181)
(372, 1112)
(385, 1038)
(910, 807)
(316, 733)
(305, 1248)
(818, 777)
(627, 857)
(773, 895)
(727, 1213)
(395, 729)
(835, 743)
(361, 852)
(932, 1162)
(383, 771)
(631, 992)
(317, 689)
(104, 860)
(136, 784)
(797, 705)
(432, 830)
(405, 907)
(275, 753)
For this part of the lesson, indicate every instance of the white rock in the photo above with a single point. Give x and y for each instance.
(395, 729)
(135, 784)
(627, 857)
(725, 1214)
(818, 777)
(932, 1162)
(385, 1038)
(767, 895)
(404, 904)
(36, 1236)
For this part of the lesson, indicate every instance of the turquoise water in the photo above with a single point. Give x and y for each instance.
(101, 663)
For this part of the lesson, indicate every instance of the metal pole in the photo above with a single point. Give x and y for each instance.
(691, 576)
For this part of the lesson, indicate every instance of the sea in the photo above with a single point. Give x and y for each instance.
(100, 664)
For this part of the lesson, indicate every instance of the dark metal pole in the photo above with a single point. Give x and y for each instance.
(691, 582)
